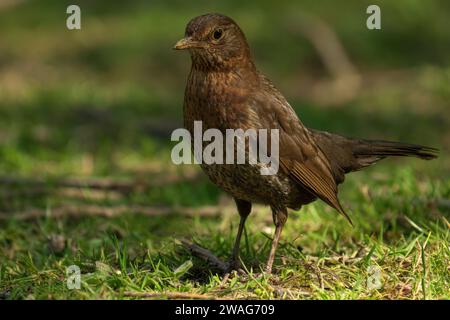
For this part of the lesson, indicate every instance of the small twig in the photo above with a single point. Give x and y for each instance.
(104, 211)
(325, 41)
(29, 192)
(206, 255)
(98, 183)
(346, 78)
(91, 194)
(169, 295)
(8, 4)
(68, 192)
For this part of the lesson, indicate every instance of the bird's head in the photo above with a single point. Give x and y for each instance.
(215, 42)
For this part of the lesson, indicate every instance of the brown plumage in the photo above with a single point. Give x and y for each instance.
(226, 91)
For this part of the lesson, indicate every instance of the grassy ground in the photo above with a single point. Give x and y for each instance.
(100, 104)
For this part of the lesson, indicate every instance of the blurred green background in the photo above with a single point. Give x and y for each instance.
(102, 102)
(115, 87)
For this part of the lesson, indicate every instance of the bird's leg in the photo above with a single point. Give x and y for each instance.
(279, 219)
(244, 208)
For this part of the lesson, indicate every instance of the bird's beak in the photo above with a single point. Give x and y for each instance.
(186, 43)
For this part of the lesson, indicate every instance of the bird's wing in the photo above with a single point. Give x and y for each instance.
(300, 156)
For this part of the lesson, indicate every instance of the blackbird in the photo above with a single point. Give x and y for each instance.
(225, 91)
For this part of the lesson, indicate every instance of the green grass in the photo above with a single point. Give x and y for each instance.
(320, 257)
(102, 103)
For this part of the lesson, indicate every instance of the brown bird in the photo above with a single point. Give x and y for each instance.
(226, 91)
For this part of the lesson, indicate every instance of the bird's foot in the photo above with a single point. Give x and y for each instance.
(235, 265)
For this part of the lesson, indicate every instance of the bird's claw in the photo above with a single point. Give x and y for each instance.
(235, 265)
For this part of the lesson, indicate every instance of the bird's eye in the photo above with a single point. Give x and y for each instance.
(217, 34)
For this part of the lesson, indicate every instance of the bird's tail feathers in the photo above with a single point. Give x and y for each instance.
(368, 152)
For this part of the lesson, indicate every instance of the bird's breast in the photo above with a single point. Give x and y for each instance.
(217, 99)
(222, 101)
